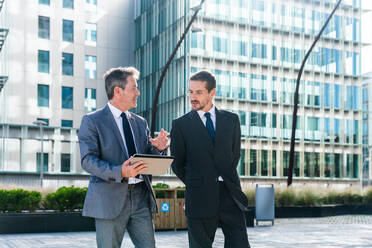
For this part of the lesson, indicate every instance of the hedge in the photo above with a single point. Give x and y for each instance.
(72, 198)
(66, 199)
(312, 197)
(18, 199)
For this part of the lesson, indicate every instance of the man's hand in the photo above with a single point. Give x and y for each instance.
(131, 170)
(161, 142)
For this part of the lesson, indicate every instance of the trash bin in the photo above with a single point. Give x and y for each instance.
(265, 203)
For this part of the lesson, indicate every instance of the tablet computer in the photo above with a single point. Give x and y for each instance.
(156, 164)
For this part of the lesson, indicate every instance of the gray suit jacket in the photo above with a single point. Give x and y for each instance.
(102, 155)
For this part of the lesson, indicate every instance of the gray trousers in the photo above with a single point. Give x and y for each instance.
(135, 218)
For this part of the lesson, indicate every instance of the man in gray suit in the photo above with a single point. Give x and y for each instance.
(119, 197)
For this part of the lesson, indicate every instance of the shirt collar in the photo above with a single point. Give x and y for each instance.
(212, 111)
(115, 111)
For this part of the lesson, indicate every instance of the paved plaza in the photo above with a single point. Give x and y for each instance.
(336, 232)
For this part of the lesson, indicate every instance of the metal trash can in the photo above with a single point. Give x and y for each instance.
(265, 203)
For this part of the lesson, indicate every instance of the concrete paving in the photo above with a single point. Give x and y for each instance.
(328, 232)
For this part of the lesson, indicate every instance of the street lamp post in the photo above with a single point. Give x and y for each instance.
(196, 9)
(295, 102)
(41, 125)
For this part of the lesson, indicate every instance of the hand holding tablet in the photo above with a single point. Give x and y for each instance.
(156, 164)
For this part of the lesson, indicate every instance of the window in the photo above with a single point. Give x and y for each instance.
(327, 95)
(264, 163)
(44, 120)
(65, 162)
(90, 34)
(66, 123)
(68, 30)
(38, 161)
(91, 67)
(44, 27)
(67, 64)
(92, 5)
(45, 2)
(273, 163)
(93, 2)
(253, 162)
(67, 97)
(68, 4)
(90, 100)
(43, 61)
(42, 95)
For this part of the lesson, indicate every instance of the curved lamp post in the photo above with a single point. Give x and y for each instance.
(41, 124)
(164, 71)
(294, 120)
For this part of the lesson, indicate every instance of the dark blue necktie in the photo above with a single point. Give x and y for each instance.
(209, 125)
(128, 135)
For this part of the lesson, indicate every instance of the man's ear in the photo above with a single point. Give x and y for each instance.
(213, 92)
(117, 90)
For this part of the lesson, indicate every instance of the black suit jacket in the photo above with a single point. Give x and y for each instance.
(199, 161)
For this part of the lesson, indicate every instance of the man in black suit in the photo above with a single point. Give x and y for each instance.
(206, 146)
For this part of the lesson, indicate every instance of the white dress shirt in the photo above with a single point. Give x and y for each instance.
(119, 122)
(212, 112)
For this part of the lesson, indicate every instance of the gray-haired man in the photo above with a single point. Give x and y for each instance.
(118, 197)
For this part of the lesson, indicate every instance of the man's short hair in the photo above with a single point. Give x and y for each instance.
(117, 77)
(205, 76)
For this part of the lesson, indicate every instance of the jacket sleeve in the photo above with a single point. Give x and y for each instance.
(236, 142)
(90, 153)
(178, 150)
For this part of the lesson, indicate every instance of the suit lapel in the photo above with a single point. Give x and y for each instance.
(219, 121)
(114, 128)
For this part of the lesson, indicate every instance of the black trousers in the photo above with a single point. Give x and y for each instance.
(231, 219)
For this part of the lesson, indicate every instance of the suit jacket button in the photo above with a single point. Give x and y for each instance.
(111, 179)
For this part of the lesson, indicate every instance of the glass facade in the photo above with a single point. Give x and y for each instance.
(67, 97)
(91, 34)
(68, 4)
(45, 161)
(67, 64)
(43, 61)
(44, 27)
(90, 102)
(42, 95)
(90, 67)
(45, 2)
(68, 30)
(65, 162)
(66, 123)
(254, 48)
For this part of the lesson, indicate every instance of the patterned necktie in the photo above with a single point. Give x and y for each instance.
(209, 125)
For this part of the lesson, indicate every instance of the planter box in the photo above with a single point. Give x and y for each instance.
(173, 216)
(321, 211)
(45, 222)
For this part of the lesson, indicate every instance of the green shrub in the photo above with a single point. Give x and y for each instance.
(66, 199)
(367, 199)
(308, 198)
(160, 193)
(180, 193)
(19, 199)
(161, 186)
(250, 193)
(286, 197)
